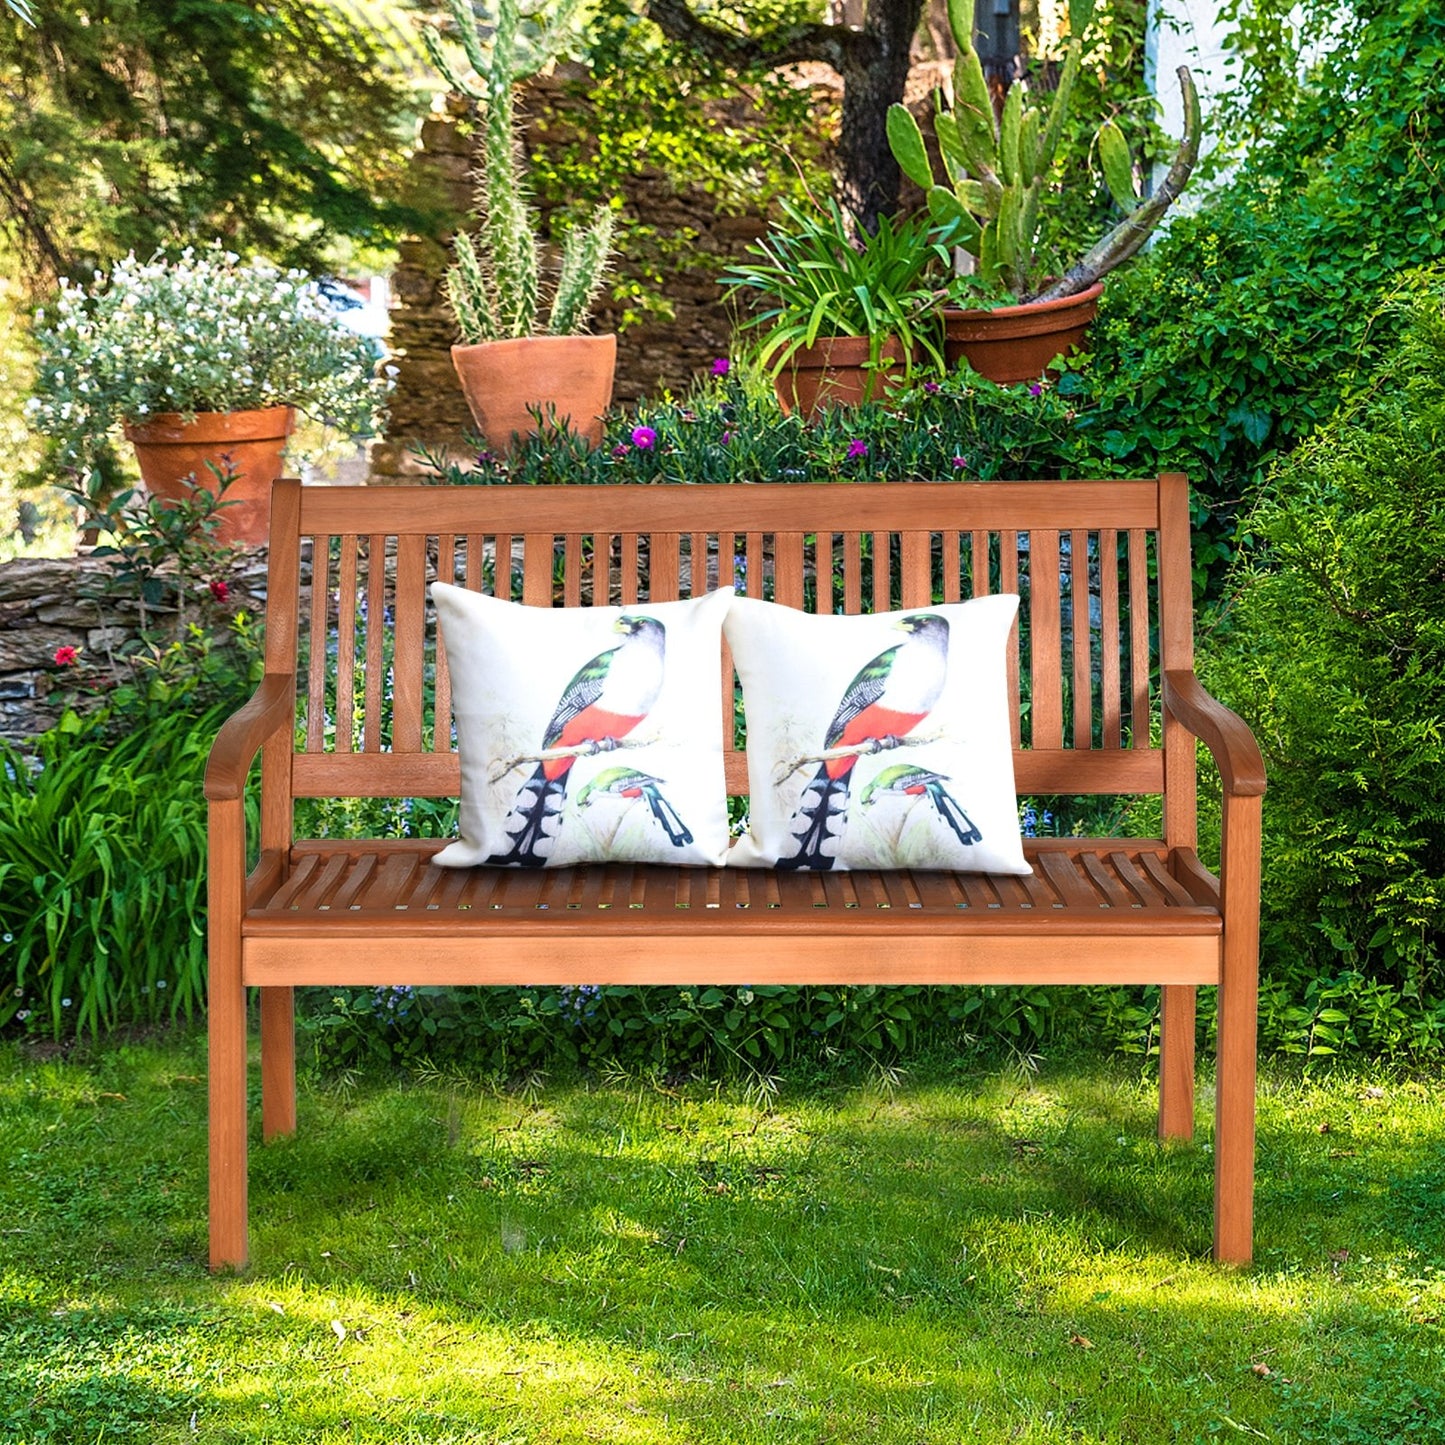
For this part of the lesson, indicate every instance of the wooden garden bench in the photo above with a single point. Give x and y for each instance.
(1112, 708)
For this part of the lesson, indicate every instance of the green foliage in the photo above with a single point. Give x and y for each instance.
(822, 275)
(1248, 323)
(1000, 174)
(284, 127)
(103, 851)
(493, 287)
(1335, 649)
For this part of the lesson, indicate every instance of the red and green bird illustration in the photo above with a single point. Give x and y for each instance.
(629, 784)
(606, 699)
(890, 696)
(907, 781)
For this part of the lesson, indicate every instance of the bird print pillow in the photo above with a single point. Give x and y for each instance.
(878, 741)
(586, 734)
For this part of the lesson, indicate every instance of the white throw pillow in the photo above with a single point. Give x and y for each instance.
(586, 734)
(878, 741)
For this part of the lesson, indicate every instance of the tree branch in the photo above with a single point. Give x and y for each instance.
(587, 749)
(837, 45)
(866, 748)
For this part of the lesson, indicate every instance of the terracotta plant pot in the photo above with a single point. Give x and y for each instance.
(173, 453)
(568, 378)
(1017, 343)
(834, 372)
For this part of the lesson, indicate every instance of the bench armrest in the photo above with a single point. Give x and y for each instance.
(272, 709)
(1224, 733)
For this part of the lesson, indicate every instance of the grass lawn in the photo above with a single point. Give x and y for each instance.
(968, 1257)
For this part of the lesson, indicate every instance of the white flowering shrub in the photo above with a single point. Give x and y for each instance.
(206, 332)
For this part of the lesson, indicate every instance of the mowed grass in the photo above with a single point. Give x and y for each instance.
(971, 1256)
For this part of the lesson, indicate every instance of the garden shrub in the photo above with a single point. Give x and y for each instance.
(1334, 649)
(103, 849)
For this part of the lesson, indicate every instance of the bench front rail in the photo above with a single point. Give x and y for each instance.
(356, 702)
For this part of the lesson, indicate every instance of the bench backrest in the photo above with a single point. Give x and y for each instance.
(1103, 570)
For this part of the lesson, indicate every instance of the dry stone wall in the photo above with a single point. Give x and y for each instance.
(56, 602)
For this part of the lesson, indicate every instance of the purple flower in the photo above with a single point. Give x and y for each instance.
(932, 388)
(959, 462)
(644, 438)
(1036, 390)
(721, 366)
(857, 450)
(621, 449)
(726, 437)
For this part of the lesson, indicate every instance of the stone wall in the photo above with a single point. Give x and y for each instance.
(427, 404)
(50, 603)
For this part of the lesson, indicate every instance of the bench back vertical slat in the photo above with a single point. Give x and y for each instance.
(1080, 639)
(788, 569)
(1109, 700)
(628, 565)
(915, 565)
(442, 706)
(1008, 581)
(1139, 638)
(537, 569)
(408, 661)
(664, 567)
(1045, 642)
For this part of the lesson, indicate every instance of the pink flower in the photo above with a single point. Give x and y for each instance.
(220, 590)
(644, 438)
(721, 366)
(621, 449)
(67, 656)
(857, 450)
(959, 462)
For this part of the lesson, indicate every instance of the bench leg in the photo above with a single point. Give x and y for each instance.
(278, 1062)
(1176, 1062)
(226, 1038)
(1238, 1023)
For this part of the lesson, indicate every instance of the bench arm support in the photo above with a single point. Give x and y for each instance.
(271, 710)
(1224, 733)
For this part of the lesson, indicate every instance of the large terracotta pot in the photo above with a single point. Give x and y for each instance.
(834, 372)
(1017, 343)
(173, 454)
(566, 377)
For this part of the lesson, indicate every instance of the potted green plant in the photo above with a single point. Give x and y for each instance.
(203, 362)
(998, 175)
(847, 313)
(516, 368)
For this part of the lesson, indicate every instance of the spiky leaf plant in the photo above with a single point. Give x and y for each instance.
(494, 286)
(997, 171)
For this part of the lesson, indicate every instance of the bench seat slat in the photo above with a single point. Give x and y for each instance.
(1077, 884)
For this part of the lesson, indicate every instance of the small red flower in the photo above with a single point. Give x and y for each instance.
(220, 590)
(67, 656)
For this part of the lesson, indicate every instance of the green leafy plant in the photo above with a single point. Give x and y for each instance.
(103, 848)
(998, 172)
(823, 275)
(206, 332)
(1335, 649)
(494, 288)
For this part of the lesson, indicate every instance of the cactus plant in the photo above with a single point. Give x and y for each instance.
(493, 286)
(998, 170)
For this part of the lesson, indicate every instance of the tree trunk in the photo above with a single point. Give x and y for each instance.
(874, 76)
